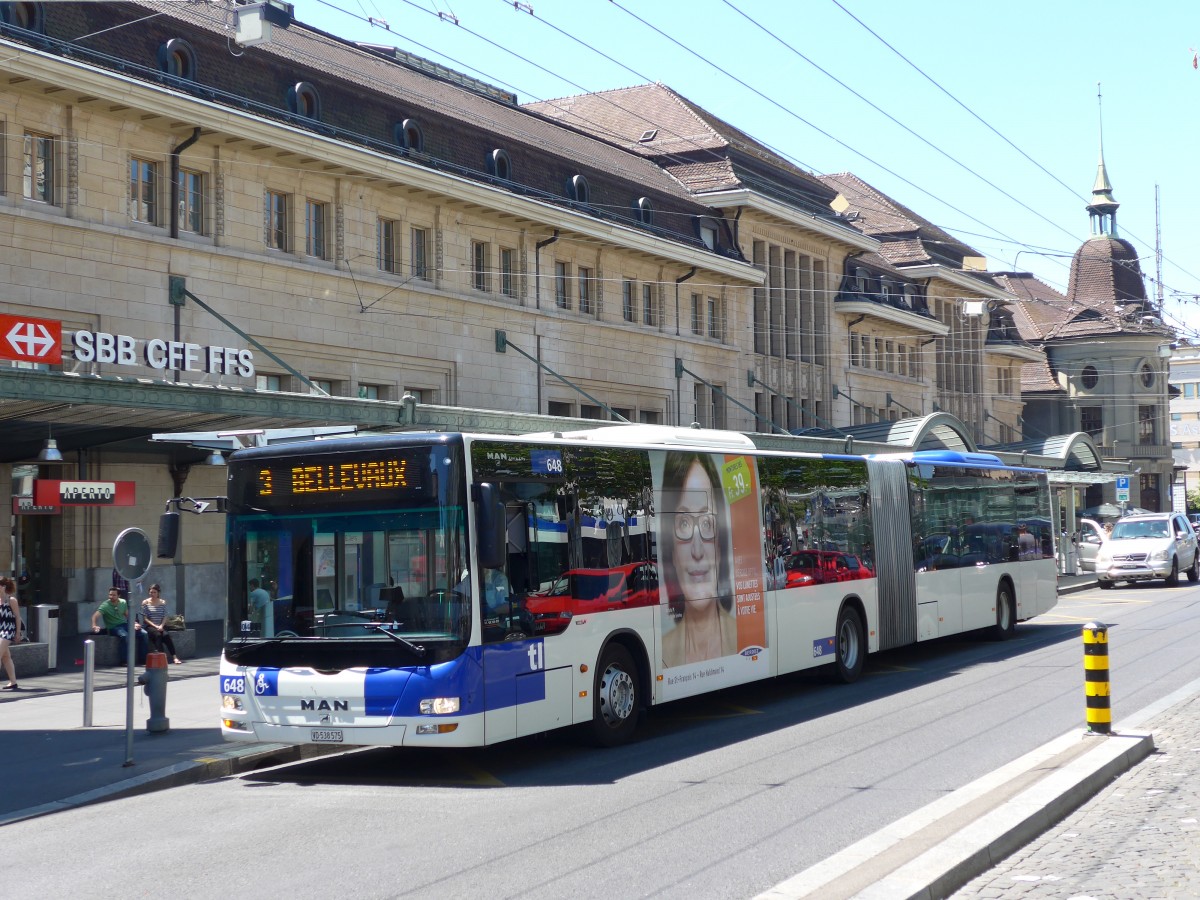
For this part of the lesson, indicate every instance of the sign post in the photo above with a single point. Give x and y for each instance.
(1122, 488)
(132, 557)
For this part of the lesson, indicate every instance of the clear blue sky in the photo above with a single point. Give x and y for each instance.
(1028, 68)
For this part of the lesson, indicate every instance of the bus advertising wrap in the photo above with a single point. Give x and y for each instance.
(710, 554)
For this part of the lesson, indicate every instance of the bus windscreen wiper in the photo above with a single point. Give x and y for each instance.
(417, 649)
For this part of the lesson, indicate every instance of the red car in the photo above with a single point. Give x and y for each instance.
(582, 591)
(824, 567)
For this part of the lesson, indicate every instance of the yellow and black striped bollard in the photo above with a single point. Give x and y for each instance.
(1095, 673)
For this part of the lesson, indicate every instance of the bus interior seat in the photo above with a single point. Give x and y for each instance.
(392, 599)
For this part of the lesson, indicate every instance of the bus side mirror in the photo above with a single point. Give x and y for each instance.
(168, 535)
(491, 537)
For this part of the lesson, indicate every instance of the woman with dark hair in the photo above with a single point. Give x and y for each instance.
(154, 617)
(696, 556)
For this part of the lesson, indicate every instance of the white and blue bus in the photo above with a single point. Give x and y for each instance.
(436, 590)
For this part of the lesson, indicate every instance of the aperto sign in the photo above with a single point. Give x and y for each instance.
(53, 493)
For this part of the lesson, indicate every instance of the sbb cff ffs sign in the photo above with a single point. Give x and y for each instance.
(48, 492)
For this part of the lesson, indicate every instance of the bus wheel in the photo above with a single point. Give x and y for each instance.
(1006, 615)
(615, 698)
(851, 649)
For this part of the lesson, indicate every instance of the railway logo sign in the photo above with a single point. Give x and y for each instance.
(26, 339)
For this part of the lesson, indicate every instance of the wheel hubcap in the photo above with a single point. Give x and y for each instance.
(616, 695)
(848, 644)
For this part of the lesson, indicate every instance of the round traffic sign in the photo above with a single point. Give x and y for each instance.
(132, 554)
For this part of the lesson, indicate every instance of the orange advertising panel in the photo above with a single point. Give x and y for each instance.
(711, 570)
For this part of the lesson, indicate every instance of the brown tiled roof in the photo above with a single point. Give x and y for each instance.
(1105, 270)
(413, 92)
(904, 251)
(1043, 314)
(878, 215)
(682, 137)
(1037, 378)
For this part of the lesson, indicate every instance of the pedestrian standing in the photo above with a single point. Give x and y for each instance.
(10, 629)
(154, 619)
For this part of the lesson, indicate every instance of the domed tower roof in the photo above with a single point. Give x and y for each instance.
(1105, 272)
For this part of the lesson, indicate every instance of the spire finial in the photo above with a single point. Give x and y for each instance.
(1103, 208)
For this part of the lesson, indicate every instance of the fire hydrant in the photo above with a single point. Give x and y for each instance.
(155, 686)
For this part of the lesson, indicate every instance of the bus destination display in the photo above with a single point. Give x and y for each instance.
(343, 480)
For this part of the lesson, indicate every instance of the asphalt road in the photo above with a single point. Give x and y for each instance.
(721, 797)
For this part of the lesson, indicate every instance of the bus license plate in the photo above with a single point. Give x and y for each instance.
(327, 735)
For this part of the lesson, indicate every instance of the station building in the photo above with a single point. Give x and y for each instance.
(227, 240)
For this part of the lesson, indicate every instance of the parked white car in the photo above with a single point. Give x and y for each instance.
(1091, 536)
(1146, 547)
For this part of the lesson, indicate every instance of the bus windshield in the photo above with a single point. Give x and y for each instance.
(366, 561)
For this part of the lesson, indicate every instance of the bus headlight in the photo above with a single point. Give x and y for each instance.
(439, 706)
(228, 701)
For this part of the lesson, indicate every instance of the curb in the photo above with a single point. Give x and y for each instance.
(222, 763)
(936, 850)
(1076, 588)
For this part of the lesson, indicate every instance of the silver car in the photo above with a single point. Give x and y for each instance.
(1091, 536)
(1147, 547)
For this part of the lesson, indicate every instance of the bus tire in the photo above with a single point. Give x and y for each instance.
(850, 646)
(615, 698)
(1006, 614)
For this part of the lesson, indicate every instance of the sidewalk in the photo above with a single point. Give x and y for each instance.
(53, 763)
(1138, 839)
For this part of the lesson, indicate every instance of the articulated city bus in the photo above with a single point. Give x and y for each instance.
(437, 590)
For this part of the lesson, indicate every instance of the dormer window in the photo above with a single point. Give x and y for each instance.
(579, 190)
(304, 101)
(176, 57)
(862, 280)
(408, 135)
(645, 211)
(707, 230)
(910, 296)
(648, 135)
(500, 165)
(29, 16)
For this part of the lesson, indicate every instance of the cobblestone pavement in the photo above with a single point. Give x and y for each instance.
(1138, 839)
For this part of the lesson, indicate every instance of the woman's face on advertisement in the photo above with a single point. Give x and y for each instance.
(695, 545)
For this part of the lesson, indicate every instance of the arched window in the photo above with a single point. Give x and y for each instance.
(408, 135)
(645, 211)
(500, 165)
(578, 189)
(304, 101)
(176, 57)
(29, 16)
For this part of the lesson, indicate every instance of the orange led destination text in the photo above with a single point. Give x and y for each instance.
(350, 476)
